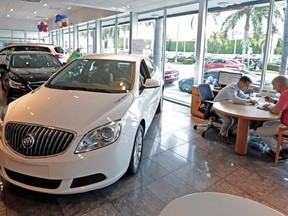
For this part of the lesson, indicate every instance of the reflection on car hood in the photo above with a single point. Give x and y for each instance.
(79, 111)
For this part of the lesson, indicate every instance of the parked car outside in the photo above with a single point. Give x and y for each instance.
(211, 76)
(223, 63)
(23, 71)
(58, 51)
(84, 128)
(170, 74)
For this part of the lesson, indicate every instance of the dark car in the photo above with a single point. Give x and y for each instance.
(211, 77)
(23, 71)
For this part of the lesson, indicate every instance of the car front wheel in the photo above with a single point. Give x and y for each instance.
(137, 152)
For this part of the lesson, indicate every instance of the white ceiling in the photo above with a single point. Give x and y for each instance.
(35, 11)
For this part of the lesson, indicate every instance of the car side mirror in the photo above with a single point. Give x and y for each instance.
(151, 83)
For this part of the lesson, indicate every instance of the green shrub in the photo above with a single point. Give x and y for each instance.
(189, 61)
(273, 67)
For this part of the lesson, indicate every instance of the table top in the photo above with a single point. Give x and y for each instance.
(216, 204)
(249, 112)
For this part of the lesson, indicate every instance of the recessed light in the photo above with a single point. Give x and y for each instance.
(35, 12)
(28, 17)
(8, 15)
(45, 5)
(69, 8)
(11, 9)
(223, 4)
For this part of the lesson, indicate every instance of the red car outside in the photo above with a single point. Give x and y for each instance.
(223, 63)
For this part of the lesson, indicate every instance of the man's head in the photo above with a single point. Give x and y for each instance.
(280, 83)
(244, 83)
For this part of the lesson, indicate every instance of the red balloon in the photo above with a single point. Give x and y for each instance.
(64, 24)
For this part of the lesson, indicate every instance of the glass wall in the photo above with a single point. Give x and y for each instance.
(107, 36)
(123, 35)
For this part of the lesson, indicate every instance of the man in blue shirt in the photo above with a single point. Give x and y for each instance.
(233, 93)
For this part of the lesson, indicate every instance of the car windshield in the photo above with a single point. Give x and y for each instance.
(34, 61)
(111, 76)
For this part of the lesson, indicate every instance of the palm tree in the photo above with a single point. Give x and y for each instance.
(218, 40)
(285, 44)
(253, 15)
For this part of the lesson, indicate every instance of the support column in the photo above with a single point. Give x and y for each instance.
(201, 42)
(133, 29)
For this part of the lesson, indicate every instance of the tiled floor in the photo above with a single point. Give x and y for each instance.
(176, 161)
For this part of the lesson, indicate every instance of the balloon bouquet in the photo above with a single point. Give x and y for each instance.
(61, 20)
(42, 27)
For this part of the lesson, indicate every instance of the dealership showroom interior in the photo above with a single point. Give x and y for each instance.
(156, 107)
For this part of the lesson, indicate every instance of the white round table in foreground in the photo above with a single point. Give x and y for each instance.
(216, 204)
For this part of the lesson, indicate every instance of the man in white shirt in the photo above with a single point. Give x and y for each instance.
(234, 93)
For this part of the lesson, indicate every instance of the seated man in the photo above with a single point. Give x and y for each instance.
(269, 130)
(234, 93)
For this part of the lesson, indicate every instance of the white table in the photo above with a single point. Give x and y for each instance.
(244, 113)
(216, 204)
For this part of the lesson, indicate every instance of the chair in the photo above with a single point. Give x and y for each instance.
(282, 138)
(205, 107)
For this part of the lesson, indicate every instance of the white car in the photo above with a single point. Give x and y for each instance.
(84, 128)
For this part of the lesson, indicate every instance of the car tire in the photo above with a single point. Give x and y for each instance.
(136, 155)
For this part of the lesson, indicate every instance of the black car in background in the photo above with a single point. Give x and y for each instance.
(23, 71)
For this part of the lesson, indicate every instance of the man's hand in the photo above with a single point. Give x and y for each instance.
(253, 101)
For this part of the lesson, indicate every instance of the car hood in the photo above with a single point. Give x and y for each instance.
(79, 111)
(34, 74)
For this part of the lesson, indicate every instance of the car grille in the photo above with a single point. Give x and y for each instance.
(32, 140)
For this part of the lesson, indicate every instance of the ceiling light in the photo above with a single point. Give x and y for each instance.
(45, 5)
(11, 9)
(69, 8)
(35, 12)
(8, 15)
(223, 4)
(28, 17)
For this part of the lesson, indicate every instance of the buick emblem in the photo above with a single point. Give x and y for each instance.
(28, 141)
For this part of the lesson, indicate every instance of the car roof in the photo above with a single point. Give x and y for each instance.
(121, 57)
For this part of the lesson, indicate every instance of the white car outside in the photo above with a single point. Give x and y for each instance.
(84, 128)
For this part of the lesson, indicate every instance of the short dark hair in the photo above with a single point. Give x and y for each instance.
(245, 79)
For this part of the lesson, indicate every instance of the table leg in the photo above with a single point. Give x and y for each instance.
(242, 135)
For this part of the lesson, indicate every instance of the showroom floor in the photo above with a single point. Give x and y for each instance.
(176, 161)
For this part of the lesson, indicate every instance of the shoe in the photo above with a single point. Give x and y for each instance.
(283, 156)
(252, 132)
(224, 139)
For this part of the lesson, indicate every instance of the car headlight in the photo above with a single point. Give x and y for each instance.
(14, 84)
(99, 137)
(2, 117)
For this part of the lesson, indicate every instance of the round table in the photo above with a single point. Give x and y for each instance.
(216, 204)
(244, 113)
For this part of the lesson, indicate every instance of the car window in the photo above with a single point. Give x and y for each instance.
(59, 50)
(150, 67)
(33, 61)
(95, 75)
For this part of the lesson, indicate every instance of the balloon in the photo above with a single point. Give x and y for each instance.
(42, 26)
(61, 20)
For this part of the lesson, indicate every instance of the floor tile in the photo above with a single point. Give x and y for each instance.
(169, 188)
(170, 160)
(278, 198)
(104, 210)
(139, 203)
(198, 179)
(251, 182)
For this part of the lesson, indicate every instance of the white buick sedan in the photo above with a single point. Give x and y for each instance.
(84, 128)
